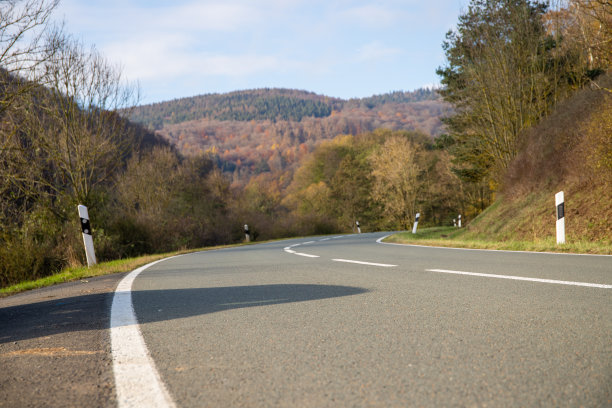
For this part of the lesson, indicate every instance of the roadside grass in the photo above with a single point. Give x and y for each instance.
(462, 238)
(103, 268)
(108, 268)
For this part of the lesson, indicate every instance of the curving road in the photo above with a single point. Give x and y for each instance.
(347, 321)
(316, 322)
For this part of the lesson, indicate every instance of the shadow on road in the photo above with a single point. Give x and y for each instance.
(151, 306)
(92, 312)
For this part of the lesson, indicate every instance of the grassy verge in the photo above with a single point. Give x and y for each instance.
(103, 268)
(461, 238)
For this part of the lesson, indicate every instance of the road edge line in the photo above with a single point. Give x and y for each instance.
(137, 381)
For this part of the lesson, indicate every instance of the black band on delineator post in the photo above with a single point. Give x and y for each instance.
(85, 227)
(561, 211)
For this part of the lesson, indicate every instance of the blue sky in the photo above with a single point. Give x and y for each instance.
(340, 48)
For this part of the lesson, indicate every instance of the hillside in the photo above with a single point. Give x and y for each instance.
(250, 132)
(570, 151)
(263, 104)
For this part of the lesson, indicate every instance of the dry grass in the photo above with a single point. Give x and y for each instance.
(455, 238)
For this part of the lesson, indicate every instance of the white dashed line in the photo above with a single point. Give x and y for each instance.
(522, 278)
(306, 255)
(364, 263)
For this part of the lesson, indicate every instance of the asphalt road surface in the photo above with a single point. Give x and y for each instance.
(325, 321)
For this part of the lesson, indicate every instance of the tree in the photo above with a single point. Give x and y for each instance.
(395, 172)
(593, 22)
(23, 25)
(502, 76)
(73, 123)
(585, 28)
(350, 191)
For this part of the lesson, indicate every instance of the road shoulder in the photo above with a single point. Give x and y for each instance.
(54, 345)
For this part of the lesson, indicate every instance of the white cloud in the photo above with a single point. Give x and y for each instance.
(129, 18)
(375, 51)
(165, 56)
(370, 15)
(196, 16)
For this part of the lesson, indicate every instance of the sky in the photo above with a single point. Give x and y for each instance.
(339, 48)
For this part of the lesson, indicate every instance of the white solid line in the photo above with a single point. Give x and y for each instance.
(309, 242)
(364, 263)
(307, 255)
(522, 278)
(137, 382)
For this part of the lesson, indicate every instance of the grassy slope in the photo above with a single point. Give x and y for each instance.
(464, 238)
(570, 151)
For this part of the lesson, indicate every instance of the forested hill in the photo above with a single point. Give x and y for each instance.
(271, 130)
(264, 104)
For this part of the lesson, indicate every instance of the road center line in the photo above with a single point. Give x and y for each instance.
(137, 381)
(522, 278)
(306, 255)
(364, 263)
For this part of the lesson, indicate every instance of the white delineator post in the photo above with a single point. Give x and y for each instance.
(459, 223)
(560, 203)
(247, 236)
(416, 222)
(358, 227)
(87, 238)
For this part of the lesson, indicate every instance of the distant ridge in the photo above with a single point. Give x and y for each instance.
(263, 104)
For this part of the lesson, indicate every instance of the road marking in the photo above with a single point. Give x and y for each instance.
(291, 251)
(325, 239)
(137, 381)
(522, 278)
(309, 242)
(306, 255)
(364, 263)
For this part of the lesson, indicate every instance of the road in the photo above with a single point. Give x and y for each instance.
(348, 321)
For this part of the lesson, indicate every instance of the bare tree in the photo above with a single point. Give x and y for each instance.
(23, 25)
(80, 129)
(585, 29)
(66, 139)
